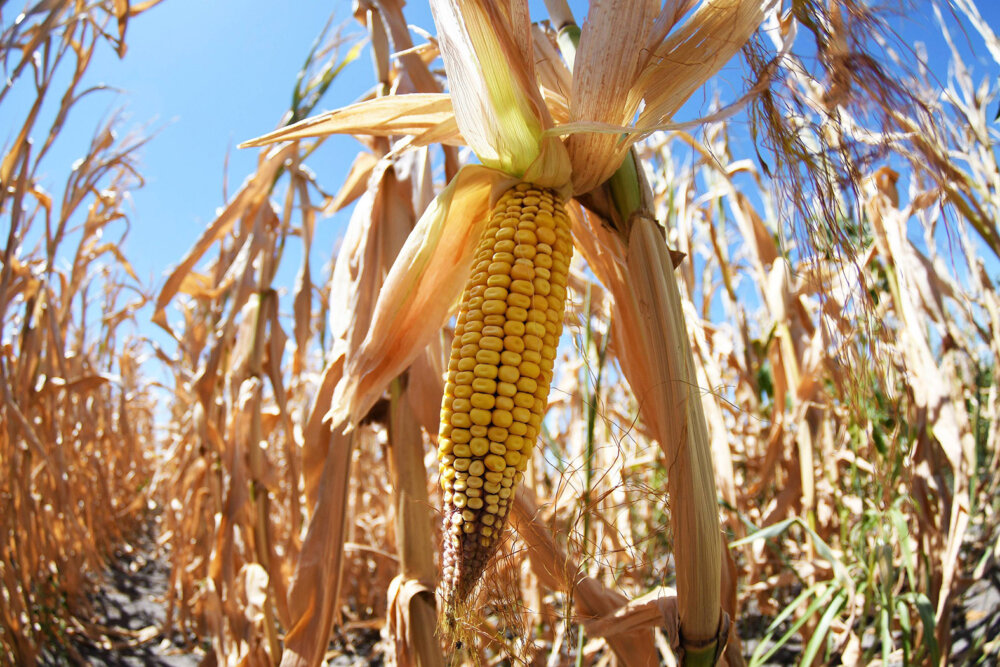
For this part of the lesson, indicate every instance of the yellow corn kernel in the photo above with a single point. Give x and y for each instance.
(506, 336)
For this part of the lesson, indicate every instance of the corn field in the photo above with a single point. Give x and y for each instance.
(657, 334)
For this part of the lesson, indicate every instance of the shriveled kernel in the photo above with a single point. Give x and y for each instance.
(502, 418)
(497, 434)
(462, 464)
(526, 237)
(488, 371)
(514, 328)
(497, 448)
(462, 450)
(494, 487)
(532, 342)
(499, 268)
(508, 358)
(495, 293)
(528, 369)
(506, 388)
(535, 329)
(492, 477)
(492, 509)
(491, 343)
(486, 530)
(469, 515)
(468, 527)
(526, 251)
(494, 307)
(514, 344)
(479, 446)
(519, 301)
(524, 400)
(479, 416)
(517, 314)
(484, 385)
(522, 287)
(488, 357)
(487, 519)
(494, 463)
(482, 401)
(524, 272)
(509, 374)
(545, 233)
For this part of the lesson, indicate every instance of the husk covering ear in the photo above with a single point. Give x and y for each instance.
(422, 287)
(487, 50)
(612, 79)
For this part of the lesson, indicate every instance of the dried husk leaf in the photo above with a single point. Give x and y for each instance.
(385, 116)
(655, 356)
(612, 78)
(690, 56)
(486, 48)
(315, 586)
(425, 281)
(605, 68)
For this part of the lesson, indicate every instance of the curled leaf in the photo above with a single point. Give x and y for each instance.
(421, 288)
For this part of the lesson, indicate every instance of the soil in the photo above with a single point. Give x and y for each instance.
(129, 606)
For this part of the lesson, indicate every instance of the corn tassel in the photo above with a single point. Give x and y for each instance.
(499, 375)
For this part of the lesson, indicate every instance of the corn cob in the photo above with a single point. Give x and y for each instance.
(499, 375)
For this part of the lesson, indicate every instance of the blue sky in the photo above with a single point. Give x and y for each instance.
(208, 75)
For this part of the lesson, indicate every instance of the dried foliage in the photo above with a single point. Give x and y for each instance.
(76, 435)
(836, 282)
